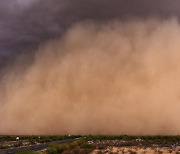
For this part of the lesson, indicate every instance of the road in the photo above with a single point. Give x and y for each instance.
(35, 147)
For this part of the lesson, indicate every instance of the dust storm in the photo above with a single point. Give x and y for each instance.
(118, 77)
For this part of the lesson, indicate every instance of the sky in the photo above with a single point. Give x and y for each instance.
(25, 24)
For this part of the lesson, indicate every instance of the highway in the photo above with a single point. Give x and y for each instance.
(36, 147)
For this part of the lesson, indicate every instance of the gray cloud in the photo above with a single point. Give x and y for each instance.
(26, 24)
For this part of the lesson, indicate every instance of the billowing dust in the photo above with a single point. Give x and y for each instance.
(99, 78)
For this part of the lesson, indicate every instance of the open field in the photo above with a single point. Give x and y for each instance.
(91, 144)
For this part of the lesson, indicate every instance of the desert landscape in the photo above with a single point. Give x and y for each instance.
(91, 145)
(89, 76)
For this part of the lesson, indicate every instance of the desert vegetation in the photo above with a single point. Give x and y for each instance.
(119, 144)
(95, 144)
(80, 146)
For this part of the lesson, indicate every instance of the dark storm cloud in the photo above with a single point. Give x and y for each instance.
(24, 24)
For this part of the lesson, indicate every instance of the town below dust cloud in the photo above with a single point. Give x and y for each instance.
(115, 77)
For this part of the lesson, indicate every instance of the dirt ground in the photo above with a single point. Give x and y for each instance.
(136, 147)
(136, 150)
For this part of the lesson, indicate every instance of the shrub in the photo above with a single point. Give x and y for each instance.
(63, 147)
(57, 148)
(80, 145)
(87, 146)
(52, 150)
